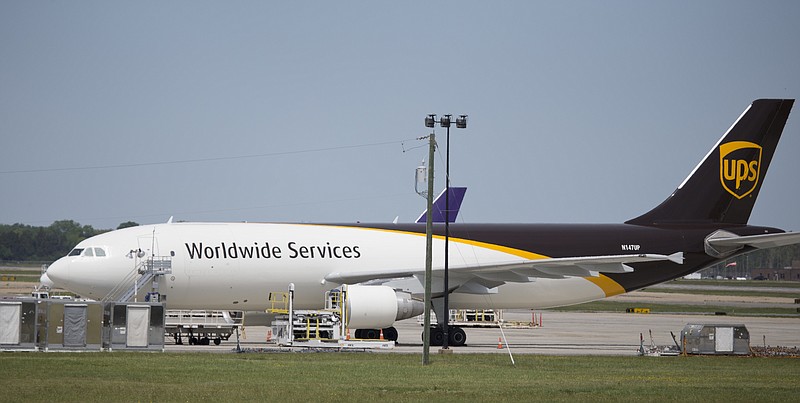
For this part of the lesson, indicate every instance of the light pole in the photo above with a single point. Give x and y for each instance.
(426, 332)
(461, 123)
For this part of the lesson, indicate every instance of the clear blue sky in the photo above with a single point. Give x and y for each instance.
(580, 111)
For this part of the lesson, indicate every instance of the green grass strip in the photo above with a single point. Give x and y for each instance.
(618, 307)
(733, 293)
(140, 377)
(739, 283)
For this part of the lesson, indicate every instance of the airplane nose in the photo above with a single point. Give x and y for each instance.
(45, 281)
(57, 273)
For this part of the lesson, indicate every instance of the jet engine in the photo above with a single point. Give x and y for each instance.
(379, 306)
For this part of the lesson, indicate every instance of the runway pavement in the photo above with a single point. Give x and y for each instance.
(566, 333)
(561, 333)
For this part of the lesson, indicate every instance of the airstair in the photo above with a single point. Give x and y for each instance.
(146, 272)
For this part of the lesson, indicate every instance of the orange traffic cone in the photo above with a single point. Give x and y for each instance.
(499, 343)
(347, 334)
(381, 334)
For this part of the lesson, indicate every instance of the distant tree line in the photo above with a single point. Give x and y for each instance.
(774, 258)
(19, 242)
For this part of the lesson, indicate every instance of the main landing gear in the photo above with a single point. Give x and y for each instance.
(456, 336)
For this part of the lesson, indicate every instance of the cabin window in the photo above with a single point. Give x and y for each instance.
(75, 252)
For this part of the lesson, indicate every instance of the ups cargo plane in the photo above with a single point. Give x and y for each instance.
(233, 266)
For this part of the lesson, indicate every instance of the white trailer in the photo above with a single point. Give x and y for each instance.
(200, 327)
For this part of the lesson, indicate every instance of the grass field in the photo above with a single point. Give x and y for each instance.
(129, 377)
(738, 283)
(614, 306)
(763, 292)
(20, 274)
(390, 377)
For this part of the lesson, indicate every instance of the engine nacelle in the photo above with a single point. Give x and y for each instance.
(379, 306)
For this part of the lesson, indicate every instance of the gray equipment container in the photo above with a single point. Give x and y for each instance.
(46, 324)
(18, 324)
(135, 326)
(65, 325)
(715, 339)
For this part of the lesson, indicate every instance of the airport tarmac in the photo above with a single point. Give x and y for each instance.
(561, 333)
(567, 333)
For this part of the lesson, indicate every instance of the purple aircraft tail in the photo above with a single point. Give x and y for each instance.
(456, 197)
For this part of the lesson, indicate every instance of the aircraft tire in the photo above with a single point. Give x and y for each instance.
(437, 336)
(457, 336)
(390, 333)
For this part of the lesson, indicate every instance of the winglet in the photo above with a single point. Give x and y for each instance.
(456, 197)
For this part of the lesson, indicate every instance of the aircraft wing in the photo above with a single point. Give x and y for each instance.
(517, 271)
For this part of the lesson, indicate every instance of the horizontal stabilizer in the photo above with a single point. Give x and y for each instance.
(723, 243)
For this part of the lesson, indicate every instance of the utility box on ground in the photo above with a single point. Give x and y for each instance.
(50, 325)
(715, 339)
(18, 323)
(30, 324)
(135, 326)
(69, 325)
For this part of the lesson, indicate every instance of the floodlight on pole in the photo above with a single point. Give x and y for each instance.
(430, 121)
(461, 123)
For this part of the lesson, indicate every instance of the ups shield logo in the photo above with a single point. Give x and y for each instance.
(739, 164)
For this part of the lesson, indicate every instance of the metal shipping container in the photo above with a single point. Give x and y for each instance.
(18, 323)
(718, 339)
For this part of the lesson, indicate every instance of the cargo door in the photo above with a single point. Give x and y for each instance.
(138, 325)
(724, 340)
(75, 325)
(9, 322)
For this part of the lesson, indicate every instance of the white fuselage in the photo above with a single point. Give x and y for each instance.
(237, 265)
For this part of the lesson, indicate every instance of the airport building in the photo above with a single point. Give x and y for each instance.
(732, 272)
(785, 274)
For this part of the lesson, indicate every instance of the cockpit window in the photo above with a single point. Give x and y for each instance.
(88, 252)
